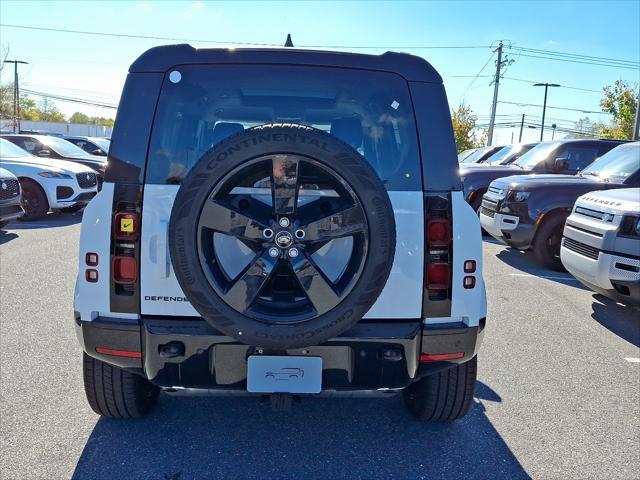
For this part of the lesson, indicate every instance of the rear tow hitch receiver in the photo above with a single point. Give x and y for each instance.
(171, 350)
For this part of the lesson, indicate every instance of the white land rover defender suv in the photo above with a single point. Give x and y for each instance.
(601, 243)
(280, 222)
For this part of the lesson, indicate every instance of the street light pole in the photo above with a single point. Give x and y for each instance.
(636, 125)
(16, 94)
(544, 106)
(521, 127)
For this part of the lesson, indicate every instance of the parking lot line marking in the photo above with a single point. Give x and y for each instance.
(632, 359)
(543, 276)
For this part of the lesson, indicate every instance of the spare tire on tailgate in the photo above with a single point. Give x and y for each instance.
(282, 236)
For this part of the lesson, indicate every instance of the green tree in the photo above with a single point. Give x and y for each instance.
(79, 117)
(49, 112)
(28, 108)
(107, 122)
(621, 101)
(464, 124)
(588, 128)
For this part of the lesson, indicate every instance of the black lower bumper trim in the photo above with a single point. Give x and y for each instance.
(190, 353)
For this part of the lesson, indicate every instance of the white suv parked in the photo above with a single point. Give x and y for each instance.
(48, 184)
(281, 222)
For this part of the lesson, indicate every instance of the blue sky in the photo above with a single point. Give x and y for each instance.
(95, 67)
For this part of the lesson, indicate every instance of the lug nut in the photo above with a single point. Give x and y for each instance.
(274, 252)
(293, 252)
(267, 233)
(300, 234)
(283, 222)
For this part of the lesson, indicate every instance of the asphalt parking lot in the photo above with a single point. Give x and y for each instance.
(558, 393)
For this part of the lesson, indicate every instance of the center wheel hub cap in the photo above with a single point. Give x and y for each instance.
(284, 239)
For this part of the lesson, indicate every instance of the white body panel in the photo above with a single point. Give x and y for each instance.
(30, 167)
(161, 294)
(467, 305)
(92, 299)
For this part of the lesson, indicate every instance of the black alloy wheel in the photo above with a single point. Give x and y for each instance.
(283, 282)
(34, 201)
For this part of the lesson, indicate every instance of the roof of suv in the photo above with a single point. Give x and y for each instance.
(161, 59)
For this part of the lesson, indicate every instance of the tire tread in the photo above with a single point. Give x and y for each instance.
(114, 392)
(443, 396)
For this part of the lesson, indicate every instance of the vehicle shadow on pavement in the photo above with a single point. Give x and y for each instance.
(51, 220)
(624, 321)
(235, 437)
(6, 236)
(526, 263)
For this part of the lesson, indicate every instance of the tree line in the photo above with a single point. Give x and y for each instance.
(44, 110)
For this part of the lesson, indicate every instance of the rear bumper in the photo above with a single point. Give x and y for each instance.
(369, 356)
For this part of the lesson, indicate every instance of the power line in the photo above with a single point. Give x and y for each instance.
(62, 98)
(555, 108)
(601, 64)
(563, 85)
(477, 75)
(574, 55)
(222, 42)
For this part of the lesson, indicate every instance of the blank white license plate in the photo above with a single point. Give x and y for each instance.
(275, 374)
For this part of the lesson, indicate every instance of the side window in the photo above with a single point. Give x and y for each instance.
(86, 146)
(579, 156)
(29, 144)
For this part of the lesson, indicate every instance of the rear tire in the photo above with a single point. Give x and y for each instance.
(443, 396)
(546, 245)
(116, 393)
(34, 201)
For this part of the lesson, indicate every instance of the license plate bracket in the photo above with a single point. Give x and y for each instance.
(284, 374)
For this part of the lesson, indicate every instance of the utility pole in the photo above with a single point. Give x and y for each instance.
(636, 125)
(521, 127)
(496, 84)
(544, 105)
(16, 94)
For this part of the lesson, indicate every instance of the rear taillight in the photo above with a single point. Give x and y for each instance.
(124, 270)
(438, 276)
(438, 258)
(125, 226)
(438, 232)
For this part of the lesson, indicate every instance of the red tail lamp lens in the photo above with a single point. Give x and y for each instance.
(91, 275)
(437, 357)
(438, 276)
(438, 232)
(469, 281)
(91, 259)
(469, 266)
(125, 226)
(124, 269)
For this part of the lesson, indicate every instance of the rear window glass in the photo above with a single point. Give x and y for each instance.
(202, 105)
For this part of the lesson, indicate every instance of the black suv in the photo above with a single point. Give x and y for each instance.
(530, 211)
(567, 156)
(281, 222)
